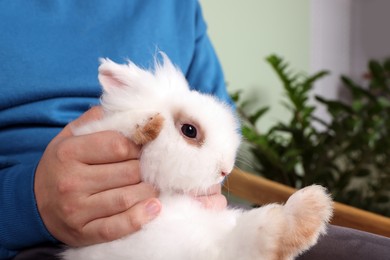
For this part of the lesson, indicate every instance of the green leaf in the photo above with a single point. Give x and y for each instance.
(258, 114)
(356, 90)
(310, 81)
(235, 96)
(376, 69)
(384, 102)
(249, 133)
(335, 106)
(357, 105)
(279, 68)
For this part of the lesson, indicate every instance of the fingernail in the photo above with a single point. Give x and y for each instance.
(153, 207)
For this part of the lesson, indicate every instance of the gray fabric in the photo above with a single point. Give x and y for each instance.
(339, 244)
(344, 243)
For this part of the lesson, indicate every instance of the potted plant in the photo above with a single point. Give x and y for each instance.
(349, 155)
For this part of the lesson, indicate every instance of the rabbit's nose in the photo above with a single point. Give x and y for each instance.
(224, 174)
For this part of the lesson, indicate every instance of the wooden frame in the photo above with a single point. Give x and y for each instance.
(258, 190)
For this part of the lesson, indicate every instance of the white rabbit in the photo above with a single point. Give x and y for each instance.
(189, 144)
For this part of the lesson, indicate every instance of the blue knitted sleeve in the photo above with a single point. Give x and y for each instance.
(17, 206)
(205, 73)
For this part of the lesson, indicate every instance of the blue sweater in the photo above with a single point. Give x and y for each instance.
(49, 54)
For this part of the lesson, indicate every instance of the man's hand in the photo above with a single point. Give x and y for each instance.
(213, 199)
(88, 188)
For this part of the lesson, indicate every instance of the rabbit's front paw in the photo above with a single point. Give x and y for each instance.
(148, 130)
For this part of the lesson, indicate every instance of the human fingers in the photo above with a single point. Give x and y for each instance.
(119, 225)
(114, 201)
(215, 202)
(212, 198)
(102, 177)
(63, 193)
(99, 148)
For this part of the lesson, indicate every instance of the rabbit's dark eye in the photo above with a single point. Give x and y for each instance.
(189, 130)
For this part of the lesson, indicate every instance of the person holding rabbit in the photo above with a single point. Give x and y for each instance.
(83, 190)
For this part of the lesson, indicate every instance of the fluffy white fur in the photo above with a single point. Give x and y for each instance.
(150, 107)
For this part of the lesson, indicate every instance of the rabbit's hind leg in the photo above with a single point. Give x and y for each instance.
(308, 212)
(280, 232)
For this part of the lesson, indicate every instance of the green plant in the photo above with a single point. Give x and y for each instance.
(350, 156)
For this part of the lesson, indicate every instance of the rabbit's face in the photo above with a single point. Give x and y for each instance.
(197, 144)
(196, 147)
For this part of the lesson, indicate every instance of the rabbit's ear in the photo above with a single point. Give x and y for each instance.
(112, 75)
(165, 77)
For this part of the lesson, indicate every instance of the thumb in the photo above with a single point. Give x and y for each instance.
(94, 113)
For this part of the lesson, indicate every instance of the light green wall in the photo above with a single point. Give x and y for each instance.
(245, 32)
